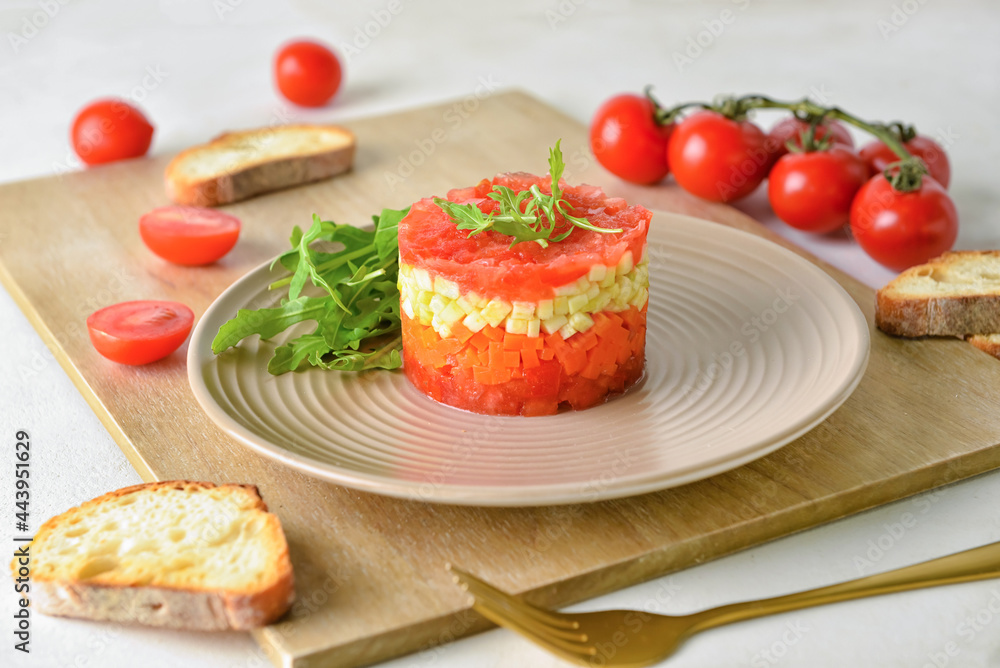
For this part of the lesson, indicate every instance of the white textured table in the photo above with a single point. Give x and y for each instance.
(198, 67)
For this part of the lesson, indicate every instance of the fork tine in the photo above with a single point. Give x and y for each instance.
(575, 652)
(545, 616)
(520, 612)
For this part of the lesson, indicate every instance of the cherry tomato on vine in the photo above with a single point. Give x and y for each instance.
(139, 332)
(307, 73)
(717, 158)
(878, 155)
(901, 229)
(189, 235)
(109, 130)
(793, 127)
(628, 142)
(813, 191)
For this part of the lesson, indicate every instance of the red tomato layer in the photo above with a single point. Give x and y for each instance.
(486, 264)
(499, 373)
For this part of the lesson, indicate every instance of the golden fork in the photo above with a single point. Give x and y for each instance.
(633, 638)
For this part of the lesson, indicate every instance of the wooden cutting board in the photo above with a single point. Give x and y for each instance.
(370, 570)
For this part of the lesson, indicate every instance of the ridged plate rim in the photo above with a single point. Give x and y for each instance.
(853, 327)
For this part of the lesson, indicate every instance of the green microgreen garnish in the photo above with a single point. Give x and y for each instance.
(529, 215)
(356, 312)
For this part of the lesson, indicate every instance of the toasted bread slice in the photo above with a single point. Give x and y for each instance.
(238, 165)
(956, 294)
(179, 554)
(989, 343)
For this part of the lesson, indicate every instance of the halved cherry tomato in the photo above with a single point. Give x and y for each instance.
(189, 235)
(878, 155)
(901, 229)
(717, 158)
(792, 128)
(139, 332)
(627, 141)
(813, 191)
(109, 130)
(307, 73)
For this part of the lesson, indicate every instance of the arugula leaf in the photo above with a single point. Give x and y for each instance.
(357, 314)
(470, 217)
(267, 322)
(290, 356)
(386, 231)
(530, 215)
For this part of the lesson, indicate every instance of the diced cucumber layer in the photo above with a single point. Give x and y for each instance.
(438, 302)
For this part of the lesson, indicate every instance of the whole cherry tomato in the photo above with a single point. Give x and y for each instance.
(901, 229)
(878, 155)
(627, 140)
(813, 191)
(189, 235)
(109, 130)
(307, 73)
(717, 158)
(139, 332)
(793, 127)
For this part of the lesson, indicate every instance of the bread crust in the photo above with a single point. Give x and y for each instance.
(945, 316)
(989, 344)
(912, 315)
(255, 177)
(162, 607)
(196, 608)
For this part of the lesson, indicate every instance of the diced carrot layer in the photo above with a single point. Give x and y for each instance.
(514, 341)
(461, 332)
(499, 373)
(479, 340)
(493, 333)
(496, 355)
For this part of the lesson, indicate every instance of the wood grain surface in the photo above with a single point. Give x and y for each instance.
(370, 570)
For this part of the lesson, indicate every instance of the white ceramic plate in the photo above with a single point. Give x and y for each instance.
(748, 347)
